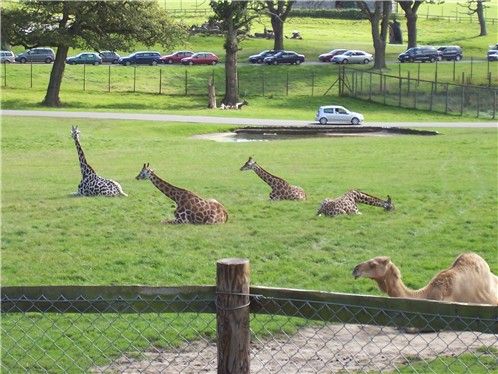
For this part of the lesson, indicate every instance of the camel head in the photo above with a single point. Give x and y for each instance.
(375, 268)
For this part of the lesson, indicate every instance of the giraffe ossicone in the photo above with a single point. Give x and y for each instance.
(347, 204)
(190, 208)
(91, 184)
(280, 189)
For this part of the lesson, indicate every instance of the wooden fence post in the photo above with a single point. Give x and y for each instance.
(462, 100)
(84, 77)
(287, 85)
(109, 80)
(263, 83)
(31, 74)
(454, 70)
(232, 315)
(186, 82)
(370, 88)
(446, 102)
(478, 101)
(400, 83)
(432, 97)
(160, 80)
(134, 78)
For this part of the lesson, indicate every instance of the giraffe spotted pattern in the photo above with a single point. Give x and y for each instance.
(190, 207)
(347, 204)
(91, 184)
(280, 189)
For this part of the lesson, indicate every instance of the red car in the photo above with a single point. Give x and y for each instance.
(176, 58)
(326, 57)
(206, 58)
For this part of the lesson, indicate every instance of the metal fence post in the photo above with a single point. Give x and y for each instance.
(160, 80)
(232, 315)
(400, 84)
(287, 84)
(446, 102)
(385, 91)
(109, 80)
(312, 83)
(84, 77)
(262, 83)
(370, 88)
(462, 99)
(432, 96)
(418, 73)
(454, 72)
(186, 82)
(471, 67)
(5, 74)
(478, 101)
(494, 104)
(134, 78)
(31, 74)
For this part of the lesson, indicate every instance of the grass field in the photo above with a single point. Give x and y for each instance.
(444, 189)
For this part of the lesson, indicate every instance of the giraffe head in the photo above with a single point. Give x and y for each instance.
(375, 268)
(249, 165)
(322, 206)
(388, 205)
(145, 173)
(75, 133)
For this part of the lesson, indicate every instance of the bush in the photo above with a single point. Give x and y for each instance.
(355, 14)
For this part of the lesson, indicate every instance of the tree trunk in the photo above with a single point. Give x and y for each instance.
(54, 86)
(380, 53)
(411, 26)
(482, 20)
(231, 47)
(278, 31)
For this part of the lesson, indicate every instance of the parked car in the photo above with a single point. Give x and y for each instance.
(46, 55)
(451, 52)
(353, 57)
(84, 58)
(419, 54)
(109, 57)
(7, 57)
(201, 58)
(141, 58)
(327, 57)
(260, 57)
(493, 55)
(337, 115)
(176, 58)
(284, 57)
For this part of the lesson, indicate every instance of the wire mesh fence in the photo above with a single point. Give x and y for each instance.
(406, 92)
(173, 330)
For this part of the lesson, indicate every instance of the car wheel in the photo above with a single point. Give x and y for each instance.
(213, 63)
(22, 60)
(412, 60)
(170, 62)
(275, 62)
(48, 60)
(6, 62)
(323, 121)
(115, 61)
(345, 61)
(355, 121)
(458, 58)
(96, 63)
(260, 61)
(298, 62)
(191, 63)
(127, 63)
(432, 60)
(366, 61)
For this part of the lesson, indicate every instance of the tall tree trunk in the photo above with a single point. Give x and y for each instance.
(54, 86)
(231, 47)
(480, 16)
(411, 26)
(278, 31)
(380, 53)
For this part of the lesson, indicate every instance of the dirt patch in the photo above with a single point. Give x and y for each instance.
(326, 349)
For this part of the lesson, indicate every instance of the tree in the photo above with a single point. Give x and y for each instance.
(477, 7)
(114, 25)
(279, 11)
(234, 18)
(410, 8)
(378, 13)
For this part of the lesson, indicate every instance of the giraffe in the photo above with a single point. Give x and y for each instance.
(281, 190)
(190, 207)
(91, 184)
(346, 204)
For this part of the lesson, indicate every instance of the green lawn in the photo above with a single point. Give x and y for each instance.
(444, 189)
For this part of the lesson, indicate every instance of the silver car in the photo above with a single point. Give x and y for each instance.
(336, 114)
(7, 57)
(353, 57)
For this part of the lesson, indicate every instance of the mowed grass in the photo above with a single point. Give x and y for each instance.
(444, 188)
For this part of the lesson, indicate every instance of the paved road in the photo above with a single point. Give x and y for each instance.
(225, 120)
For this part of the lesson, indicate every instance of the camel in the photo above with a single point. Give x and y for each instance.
(468, 280)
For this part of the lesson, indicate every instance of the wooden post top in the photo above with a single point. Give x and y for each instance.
(233, 261)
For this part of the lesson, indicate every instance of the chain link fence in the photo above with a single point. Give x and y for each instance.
(478, 101)
(173, 330)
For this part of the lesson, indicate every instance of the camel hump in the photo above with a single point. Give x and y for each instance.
(470, 260)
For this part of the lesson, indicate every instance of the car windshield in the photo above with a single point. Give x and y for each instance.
(278, 54)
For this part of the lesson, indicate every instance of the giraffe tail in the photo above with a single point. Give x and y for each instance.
(120, 189)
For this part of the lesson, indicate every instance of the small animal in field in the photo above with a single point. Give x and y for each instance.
(190, 207)
(347, 204)
(280, 189)
(91, 184)
(468, 280)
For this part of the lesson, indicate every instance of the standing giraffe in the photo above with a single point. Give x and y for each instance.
(281, 190)
(190, 207)
(91, 184)
(347, 204)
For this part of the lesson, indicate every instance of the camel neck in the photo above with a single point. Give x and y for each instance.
(392, 284)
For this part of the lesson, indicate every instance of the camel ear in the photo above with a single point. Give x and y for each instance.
(385, 260)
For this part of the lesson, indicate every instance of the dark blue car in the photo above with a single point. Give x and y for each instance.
(284, 57)
(141, 58)
(260, 57)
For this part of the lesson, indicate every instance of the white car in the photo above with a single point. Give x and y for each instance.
(352, 57)
(337, 115)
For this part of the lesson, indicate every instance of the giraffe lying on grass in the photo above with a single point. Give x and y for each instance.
(190, 207)
(280, 189)
(347, 204)
(91, 184)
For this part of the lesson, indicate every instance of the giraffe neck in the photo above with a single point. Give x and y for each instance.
(270, 179)
(361, 197)
(86, 169)
(174, 193)
(392, 284)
